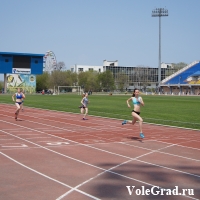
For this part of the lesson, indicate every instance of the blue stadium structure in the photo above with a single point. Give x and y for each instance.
(184, 82)
(20, 63)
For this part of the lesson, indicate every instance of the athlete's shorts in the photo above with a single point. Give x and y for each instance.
(82, 107)
(19, 103)
(136, 112)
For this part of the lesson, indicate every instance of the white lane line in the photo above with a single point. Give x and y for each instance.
(27, 134)
(48, 177)
(36, 138)
(136, 146)
(87, 131)
(161, 166)
(21, 131)
(162, 152)
(13, 146)
(6, 139)
(108, 170)
(42, 118)
(78, 142)
(64, 112)
(80, 160)
(60, 113)
(98, 149)
(66, 139)
(176, 144)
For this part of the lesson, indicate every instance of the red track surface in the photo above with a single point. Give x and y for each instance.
(55, 155)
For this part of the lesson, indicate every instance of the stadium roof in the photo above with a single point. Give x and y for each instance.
(195, 74)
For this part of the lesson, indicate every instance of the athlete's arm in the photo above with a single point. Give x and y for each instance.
(141, 101)
(128, 102)
(82, 101)
(13, 97)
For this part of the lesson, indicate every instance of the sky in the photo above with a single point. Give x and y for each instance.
(86, 32)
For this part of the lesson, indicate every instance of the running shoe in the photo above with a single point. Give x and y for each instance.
(141, 135)
(124, 122)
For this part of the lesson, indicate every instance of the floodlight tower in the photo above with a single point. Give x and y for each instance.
(159, 12)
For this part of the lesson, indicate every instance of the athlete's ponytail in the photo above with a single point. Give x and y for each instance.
(134, 92)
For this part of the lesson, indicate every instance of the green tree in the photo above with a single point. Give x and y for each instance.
(122, 81)
(89, 80)
(179, 65)
(1, 85)
(106, 80)
(62, 78)
(42, 81)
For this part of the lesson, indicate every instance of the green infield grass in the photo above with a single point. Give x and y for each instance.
(181, 111)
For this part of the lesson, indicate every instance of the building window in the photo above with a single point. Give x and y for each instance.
(72, 69)
(90, 69)
(99, 70)
(80, 69)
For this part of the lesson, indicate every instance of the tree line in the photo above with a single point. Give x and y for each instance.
(90, 80)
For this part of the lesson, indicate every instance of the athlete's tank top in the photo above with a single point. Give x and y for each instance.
(135, 101)
(85, 101)
(18, 96)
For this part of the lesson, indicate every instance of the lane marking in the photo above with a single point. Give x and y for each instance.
(162, 152)
(90, 147)
(16, 146)
(79, 160)
(53, 111)
(57, 143)
(48, 177)
(68, 192)
(174, 144)
(37, 137)
(98, 129)
(75, 141)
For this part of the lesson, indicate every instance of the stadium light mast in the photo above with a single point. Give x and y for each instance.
(159, 12)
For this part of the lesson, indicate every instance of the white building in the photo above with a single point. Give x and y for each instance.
(110, 63)
(85, 68)
(166, 65)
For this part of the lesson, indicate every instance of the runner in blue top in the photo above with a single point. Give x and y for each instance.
(84, 108)
(137, 102)
(17, 98)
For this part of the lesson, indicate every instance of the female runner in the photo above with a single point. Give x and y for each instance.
(18, 97)
(137, 102)
(84, 107)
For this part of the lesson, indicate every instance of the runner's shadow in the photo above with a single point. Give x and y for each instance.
(135, 138)
(19, 120)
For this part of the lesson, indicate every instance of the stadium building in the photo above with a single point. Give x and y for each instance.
(173, 81)
(184, 82)
(138, 77)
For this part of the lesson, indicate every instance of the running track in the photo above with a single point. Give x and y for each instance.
(56, 155)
